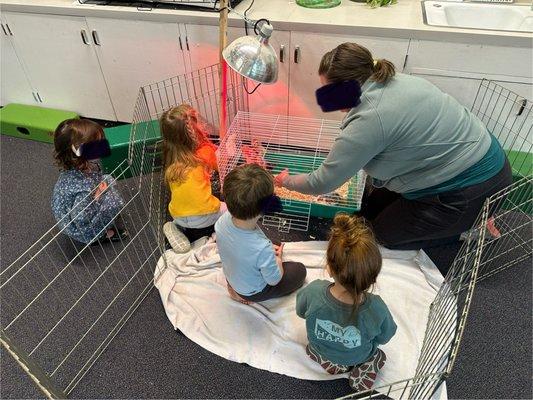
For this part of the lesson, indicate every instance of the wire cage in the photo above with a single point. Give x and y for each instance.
(298, 144)
(200, 89)
(444, 329)
(62, 302)
(509, 238)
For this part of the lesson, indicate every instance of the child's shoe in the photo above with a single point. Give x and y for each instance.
(177, 239)
(364, 375)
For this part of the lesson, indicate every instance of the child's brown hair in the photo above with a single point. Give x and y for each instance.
(74, 132)
(183, 134)
(353, 255)
(245, 190)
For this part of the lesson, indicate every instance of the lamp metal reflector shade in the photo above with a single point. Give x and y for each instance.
(253, 58)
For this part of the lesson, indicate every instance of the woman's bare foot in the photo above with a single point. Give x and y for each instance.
(235, 296)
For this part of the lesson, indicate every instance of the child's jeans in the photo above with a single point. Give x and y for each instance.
(293, 278)
(200, 221)
(362, 376)
(197, 226)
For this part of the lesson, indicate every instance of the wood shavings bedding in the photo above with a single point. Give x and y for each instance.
(338, 197)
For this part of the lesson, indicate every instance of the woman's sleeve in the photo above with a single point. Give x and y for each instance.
(359, 142)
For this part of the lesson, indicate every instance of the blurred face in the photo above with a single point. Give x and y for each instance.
(324, 81)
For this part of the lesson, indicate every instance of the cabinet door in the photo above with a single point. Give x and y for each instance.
(471, 58)
(133, 54)
(201, 44)
(307, 50)
(15, 86)
(464, 88)
(61, 65)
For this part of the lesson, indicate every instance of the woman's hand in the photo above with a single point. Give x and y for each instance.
(280, 178)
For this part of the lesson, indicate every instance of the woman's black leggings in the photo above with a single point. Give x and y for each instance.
(426, 222)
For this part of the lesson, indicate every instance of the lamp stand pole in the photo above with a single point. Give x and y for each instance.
(222, 39)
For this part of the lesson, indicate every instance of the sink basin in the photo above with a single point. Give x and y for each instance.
(501, 17)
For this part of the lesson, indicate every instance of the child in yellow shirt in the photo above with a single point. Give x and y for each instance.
(189, 159)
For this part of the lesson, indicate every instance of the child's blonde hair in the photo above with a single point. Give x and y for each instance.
(353, 255)
(183, 135)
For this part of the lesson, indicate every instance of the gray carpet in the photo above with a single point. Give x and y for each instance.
(148, 359)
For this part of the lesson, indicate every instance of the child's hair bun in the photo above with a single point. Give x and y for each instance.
(349, 229)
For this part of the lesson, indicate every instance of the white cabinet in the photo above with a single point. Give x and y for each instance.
(201, 44)
(307, 50)
(15, 87)
(133, 54)
(458, 68)
(60, 60)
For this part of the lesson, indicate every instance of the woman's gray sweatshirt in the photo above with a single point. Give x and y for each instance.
(406, 134)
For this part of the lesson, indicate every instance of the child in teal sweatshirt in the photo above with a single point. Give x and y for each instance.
(346, 324)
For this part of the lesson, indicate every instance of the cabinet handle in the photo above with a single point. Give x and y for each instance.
(282, 53)
(297, 54)
(181, 44)
(84, 37)
(523, 105)
(4, 29)
(96, 38)
(39, 97)
(405, 62)
(9, 30)
(187, 43)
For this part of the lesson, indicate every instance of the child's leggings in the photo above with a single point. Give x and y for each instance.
(362, 376)
(293, 278)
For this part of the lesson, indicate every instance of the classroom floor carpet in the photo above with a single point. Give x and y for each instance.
(147, 359)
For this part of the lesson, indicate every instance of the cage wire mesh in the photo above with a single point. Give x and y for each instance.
(200, 89)
(445, 325)
(63, 302)
(298, 144)
(509, 117)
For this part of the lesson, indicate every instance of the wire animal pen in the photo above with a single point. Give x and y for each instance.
(63, 303)
(509, 117)
(298, 144)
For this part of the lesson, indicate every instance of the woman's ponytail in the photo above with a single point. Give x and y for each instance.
(383, 71)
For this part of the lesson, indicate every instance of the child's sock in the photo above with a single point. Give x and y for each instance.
(178, 241)
(364, 375)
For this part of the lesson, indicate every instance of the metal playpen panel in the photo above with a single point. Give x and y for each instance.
(63, 302)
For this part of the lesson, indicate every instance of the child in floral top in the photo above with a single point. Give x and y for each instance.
(84, 201)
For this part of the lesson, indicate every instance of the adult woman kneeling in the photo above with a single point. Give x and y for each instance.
(432, 163)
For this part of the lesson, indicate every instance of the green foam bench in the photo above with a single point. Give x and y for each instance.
(32, 122)
(147, 134)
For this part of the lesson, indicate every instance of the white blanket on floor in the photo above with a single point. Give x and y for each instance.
(269, 335)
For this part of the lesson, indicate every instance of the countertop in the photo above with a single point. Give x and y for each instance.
(402, 20)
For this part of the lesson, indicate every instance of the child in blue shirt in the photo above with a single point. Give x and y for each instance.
(346, 324)
(251, 263)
